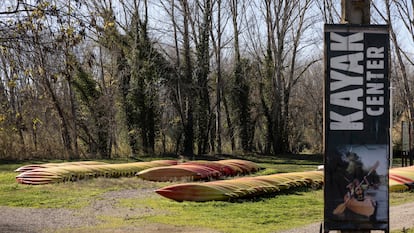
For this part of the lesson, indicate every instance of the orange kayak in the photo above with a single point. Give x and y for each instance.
(365, 207)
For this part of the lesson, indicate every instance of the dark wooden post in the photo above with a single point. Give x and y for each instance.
(356, 12)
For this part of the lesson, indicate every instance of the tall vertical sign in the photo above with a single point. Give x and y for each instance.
(356, 127)
(405, 145)
(405, 137)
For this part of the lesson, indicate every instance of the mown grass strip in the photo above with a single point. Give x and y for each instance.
(62, 195)
(257, 216)
(47, 196)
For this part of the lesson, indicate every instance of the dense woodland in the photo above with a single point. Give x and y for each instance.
(107, 78)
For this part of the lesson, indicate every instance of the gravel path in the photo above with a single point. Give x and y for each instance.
(38, 220)
(401, 216)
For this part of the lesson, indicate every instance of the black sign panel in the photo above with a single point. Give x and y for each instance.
(357, 136)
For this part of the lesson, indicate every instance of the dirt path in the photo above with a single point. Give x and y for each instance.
(34, 220)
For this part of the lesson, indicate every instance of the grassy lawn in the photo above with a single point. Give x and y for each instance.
(271, 214)
(61, 195)
(268, 214)
(260, 215)
(46, 196)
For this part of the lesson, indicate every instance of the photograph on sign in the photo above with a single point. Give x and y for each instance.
(360, 178)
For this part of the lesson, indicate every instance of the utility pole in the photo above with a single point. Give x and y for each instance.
(356, 12)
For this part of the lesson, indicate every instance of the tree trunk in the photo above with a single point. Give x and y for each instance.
(218, 85)
(407, 92)
(241, 88)
(229, 124)
(188, 80)
(202, 72)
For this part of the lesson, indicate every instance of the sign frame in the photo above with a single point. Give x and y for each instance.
(356, 127)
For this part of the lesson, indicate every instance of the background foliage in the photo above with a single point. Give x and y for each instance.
(105, 79)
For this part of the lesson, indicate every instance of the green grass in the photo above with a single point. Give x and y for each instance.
(259, 215)
(67, 195)
(398, 198)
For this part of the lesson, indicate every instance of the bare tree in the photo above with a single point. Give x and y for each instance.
(191, 31)
(217, 45)
(188, 115)
(404, 9)
(330, 10)
(203, 111)
(42, 35)
(286, 22)
(241, 88)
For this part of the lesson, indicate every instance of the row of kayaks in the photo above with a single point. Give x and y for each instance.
(38, 174)
(244, 187)
(401, 179)
(217, 173)
(200, 170)
(158, 170)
